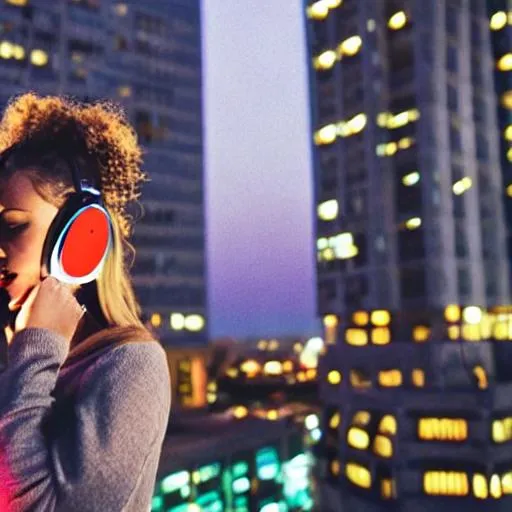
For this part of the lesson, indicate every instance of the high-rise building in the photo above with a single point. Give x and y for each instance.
(146, 56)
(500, 24)
(413, 278)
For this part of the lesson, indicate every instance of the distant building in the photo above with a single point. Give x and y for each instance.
(147, 58)
(413, 277)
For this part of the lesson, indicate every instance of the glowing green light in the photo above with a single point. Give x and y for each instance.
(241, 485)
(157, 503)
(174, 481)
(240, 469)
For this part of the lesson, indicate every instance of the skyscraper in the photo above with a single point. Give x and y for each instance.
(411, 254)
(146, 56)
(500, 24)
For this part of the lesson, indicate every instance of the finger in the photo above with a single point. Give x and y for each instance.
(28, 297)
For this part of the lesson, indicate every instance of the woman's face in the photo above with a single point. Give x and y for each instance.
(24, 221)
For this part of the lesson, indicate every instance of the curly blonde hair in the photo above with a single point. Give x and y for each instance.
(100, 128)
(104, 145)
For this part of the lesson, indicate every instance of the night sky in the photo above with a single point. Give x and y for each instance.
(259, 203)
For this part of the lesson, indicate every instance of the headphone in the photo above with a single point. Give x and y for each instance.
(81, 235)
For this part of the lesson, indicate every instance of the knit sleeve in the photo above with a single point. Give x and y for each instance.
(95, 456)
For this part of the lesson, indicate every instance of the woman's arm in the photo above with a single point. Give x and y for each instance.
(96, 458)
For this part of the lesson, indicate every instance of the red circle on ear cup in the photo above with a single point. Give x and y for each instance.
(85, 243)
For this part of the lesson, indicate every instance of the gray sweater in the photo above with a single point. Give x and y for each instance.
(83, 437)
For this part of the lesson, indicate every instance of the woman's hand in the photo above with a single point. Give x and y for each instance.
(50, 305)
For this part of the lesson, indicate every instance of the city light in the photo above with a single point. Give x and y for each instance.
(498, 20)
(177, 321)
(413, 223)
(325, 60)
(505, 63)
(334, 377)
(446, 483)
(420, 333)
(250, 367)
(273, 368)
(326, 135)
(390, 378)
(418, 377)
(240, 412)
(397, 21)
(356, 337)
(335, 421)
(350, 46)
(452, 313)
(411, 179)
(380, 317)
(38, 58)
(388, 425)
(506, 99)
(480, 489)
(17, 3)
(358, 475)
(508, 133)
(328, 210)
(382, 446)
(156, 320)
(459, 187)
(194, 323)
(320, 9)
(358, 438)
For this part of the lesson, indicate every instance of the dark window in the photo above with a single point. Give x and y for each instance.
(452, 19)
(453, 98)
(411, 245)
(455, 139)
(360, 242)
(452, 58)
(413, 282)
(482, 148)
(461, 242)
(356, 289)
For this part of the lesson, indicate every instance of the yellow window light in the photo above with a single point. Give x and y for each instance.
(18, 52)
(382, 446)
(240, 412)
(287, 366)
(472, 314)
(38, 57)
(318, 11)
(350, 46)
(177, 321)
(335, 467)
(443, 429)
(156, 320)
(383, 119)
(330, 321)
(471, 332)
(380, 317)
(505, 63)
(495, 487)
(358, 380)
(273, 368)
(6, 50)
(358, 438)
(506, 100)
(356, 337)
(273, 345)
(381, 336)
(388, 425)
(332, 4)
(498, 20)
(335, 420)
(361, 418)
(390, 378)
(325, 60)
(250, 367)
(360, 318)
(359, 475)
(445, 483)
(334, 377)
(397, 21)
(17, 3)
(405, 143)
(272, 415)
(326, 135)
(328, 210)
(297, 347)
(418, 377)
(508, 133)
(509, 155)
(125, 91)
(356, 123)
(420, 333)
(413, 223)
(262, 345)
(411, 179)
(232, 373)
(506, 483)
(459, 187)
(452, 313)
(387, 488)
(194, 323)
(480, 489)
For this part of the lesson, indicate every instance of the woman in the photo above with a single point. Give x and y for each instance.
(85, 393)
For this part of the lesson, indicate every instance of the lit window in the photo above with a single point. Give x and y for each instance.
(446, 483)
(495, 486)
(508, 133)
(390, 378)
(397, 21)
(17, 3)
(506, 483)
(240, 412)
(334, 377)
(124, 91)
(350, 46)
(370, 25)
(381, 336)
(325, 60)
(420, 333)
(480, 489)
(360, 318)
(358, 438)
(194, 323)
(121, 9)
(39, 58)
(418, 377)
(359, 475)
(411, 179)
(358, 380)
(509, 155)
(262, 345)
(387, 488)
(177, 321)
(462, 185)
(6, 50)
(352, 126)
(318, 11)
(443, 429)
(156, 320)
(18, 52)
(505, 63)
(356, 337)
(454, 332)
(506, 100)
(452, 313)
(382, 446)
(273, 368)
(361, 418)
(329, 321)
(502, 430)
(388, 425)
(472, 314)
(498, 20)
(405, 143)
(335, 467)
(413, 223)
(326, 135)
(328, 210)
(380, 317)
(335, 421)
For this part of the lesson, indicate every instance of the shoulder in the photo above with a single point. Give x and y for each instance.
(134, 374)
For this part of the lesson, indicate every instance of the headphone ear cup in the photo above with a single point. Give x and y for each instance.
(78, 242)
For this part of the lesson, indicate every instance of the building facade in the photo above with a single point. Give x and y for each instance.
(413, 278)
(147, 57)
